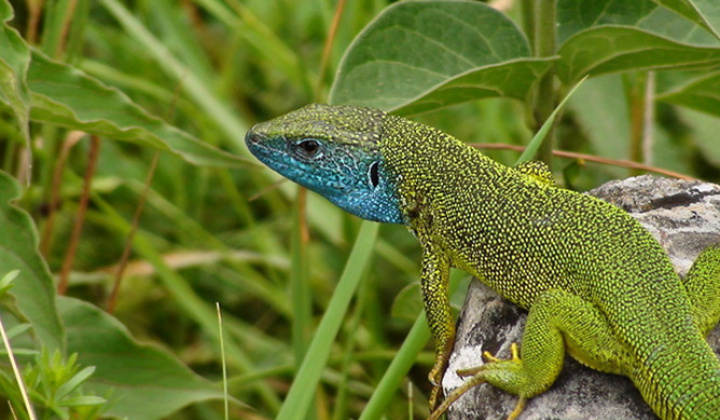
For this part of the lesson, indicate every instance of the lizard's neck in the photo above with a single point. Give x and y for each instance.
(427, 164)
(424, 151)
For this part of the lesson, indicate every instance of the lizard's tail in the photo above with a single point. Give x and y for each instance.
(682, 384)
(702, 285)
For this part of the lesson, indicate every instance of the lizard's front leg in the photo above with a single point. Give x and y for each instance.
(557, 320)
(434, 285)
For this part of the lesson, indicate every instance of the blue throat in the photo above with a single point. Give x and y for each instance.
(378, 204)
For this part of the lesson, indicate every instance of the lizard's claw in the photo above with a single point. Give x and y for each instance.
(515, 356)
(435, 377)
(478, 377)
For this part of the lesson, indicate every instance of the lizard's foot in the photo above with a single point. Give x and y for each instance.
(457, 393)
(435, 398)
(479, 375)
(435, 377)
(515, 357)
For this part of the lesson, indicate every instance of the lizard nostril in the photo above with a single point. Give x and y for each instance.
(253, 137)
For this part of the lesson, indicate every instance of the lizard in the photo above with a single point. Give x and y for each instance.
(596, 284)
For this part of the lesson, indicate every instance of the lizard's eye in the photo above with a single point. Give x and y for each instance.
(308, 148)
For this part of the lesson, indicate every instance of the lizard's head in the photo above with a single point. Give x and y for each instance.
(334, 151)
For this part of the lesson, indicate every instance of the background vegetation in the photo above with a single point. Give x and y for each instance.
(99, 97)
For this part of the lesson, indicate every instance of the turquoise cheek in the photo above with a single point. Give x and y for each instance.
(379, 204)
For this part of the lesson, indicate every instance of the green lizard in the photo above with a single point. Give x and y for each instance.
(596, 284)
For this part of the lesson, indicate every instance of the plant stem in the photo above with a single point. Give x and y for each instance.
(528, 20)
(639, 95)
(80, 216)
(122, 265)
(543, 42)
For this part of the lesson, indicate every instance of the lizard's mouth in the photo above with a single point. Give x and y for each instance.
(257, 144)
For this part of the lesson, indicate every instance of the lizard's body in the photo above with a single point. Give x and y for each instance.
(594, 281)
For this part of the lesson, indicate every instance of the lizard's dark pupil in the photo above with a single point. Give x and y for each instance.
(309, 146)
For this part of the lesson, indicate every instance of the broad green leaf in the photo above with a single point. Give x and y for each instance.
(14, 60)
(422, 55)
(613, 36)
(512, 79)
(702, 94)
(575, 16)
(141, 381)
(66, 96)
(33, 289)
(705, 13)
(705, 129)
(610, 49)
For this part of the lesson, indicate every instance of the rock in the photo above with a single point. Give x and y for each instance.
(684, 216)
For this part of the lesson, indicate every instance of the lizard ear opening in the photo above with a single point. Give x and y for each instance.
(373, 174)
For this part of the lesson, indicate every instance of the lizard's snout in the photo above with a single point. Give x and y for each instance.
(253, 137)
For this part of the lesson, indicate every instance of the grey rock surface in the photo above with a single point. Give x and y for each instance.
(684, 216)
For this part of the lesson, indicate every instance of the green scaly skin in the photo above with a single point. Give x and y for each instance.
(595, 282)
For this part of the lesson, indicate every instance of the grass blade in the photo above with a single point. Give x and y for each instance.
(539, 137)
(304, 387)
